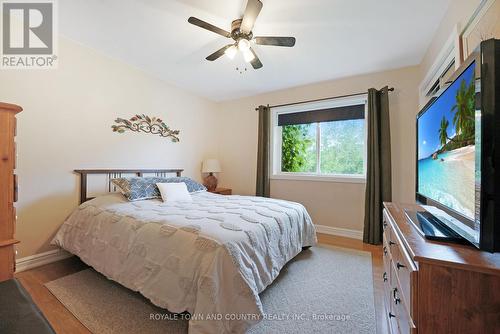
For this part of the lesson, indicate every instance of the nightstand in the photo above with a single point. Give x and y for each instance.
(222, 191)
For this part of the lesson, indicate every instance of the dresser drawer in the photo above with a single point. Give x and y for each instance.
(14, 220)
(385, 248)
(392, 317)
(399, 306)
(14, 256)
(386, 275)
(405, 269)
(388, 305)
(406, 272)
(388, 234)
(407, 277)
(386, 229)
(15, 180)
(15, 156)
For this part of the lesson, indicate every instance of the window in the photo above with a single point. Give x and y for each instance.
(320, 141)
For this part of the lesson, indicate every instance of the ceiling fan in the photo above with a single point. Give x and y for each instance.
(241, 33)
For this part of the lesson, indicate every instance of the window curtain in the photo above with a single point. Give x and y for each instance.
(378, 174)
(263, 152)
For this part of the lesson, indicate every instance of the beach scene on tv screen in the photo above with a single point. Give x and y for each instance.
(446, 147)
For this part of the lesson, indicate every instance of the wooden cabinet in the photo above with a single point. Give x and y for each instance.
(436, 287)
(222, 191)
(8, 189)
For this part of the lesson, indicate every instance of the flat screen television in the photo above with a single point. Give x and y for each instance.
(456, 157)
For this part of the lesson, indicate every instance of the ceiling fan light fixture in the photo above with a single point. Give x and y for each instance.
(248, 55)
(242, 37)
(231, 52)
(243, 45)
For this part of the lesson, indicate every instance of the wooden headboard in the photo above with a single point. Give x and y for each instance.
(116, 173)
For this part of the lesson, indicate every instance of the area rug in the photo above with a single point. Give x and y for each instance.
(322, 290)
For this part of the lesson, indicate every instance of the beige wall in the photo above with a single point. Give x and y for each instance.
(66, 125)
(487, 27)
(338, 204)
(69, 111)
(459, 13)
(329, 203)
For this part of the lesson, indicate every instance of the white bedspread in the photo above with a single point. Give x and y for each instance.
(211, 257)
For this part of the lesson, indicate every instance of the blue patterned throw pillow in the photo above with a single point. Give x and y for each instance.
(142, 188)
(192, 185)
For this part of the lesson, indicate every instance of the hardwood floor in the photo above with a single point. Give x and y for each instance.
(64, 322)
(33, 281)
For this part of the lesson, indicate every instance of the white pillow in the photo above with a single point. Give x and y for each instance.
(172, 192)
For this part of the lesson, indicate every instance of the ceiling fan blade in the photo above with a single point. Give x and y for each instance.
(219, 53)
(250, 16)
(256, 63)
(208, 26)
(276, 41)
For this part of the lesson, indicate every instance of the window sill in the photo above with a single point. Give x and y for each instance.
(320, 178)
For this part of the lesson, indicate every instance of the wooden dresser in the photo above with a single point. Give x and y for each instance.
(222, 191)
(436, 287)
(8, 189)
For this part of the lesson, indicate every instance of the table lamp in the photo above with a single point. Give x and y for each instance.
(210, 166)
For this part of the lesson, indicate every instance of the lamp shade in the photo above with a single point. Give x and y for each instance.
(211, 166)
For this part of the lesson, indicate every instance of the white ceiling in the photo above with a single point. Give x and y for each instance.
(335, 38)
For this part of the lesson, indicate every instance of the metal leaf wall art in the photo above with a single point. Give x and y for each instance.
(143, 123)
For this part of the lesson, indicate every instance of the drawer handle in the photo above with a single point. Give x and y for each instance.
(391, 243)
(391, 315)
(396, 299)
(399, 265)
(385, 250)
(384, 276)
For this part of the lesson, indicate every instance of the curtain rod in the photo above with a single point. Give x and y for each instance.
(318, 100)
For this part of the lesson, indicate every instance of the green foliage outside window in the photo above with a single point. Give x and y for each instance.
(341, 147)
(298, 151)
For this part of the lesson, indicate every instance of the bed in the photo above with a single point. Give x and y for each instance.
(210, 257)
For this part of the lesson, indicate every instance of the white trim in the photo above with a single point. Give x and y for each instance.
(482, 9)
(458, 47)
(318, 149)
(447, 54)
(330, 103)
(33, 261)
(319, 178)
(455, 48)
(341, 232)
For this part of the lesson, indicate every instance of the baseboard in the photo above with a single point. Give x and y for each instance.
(341, 232)
(33, 261)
